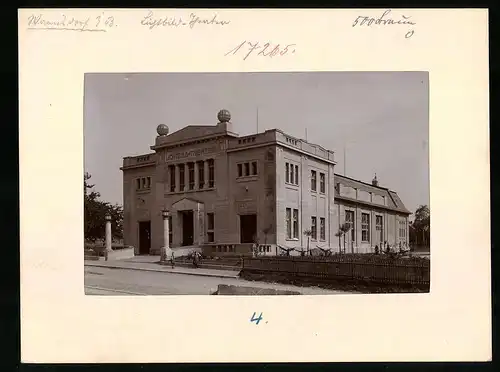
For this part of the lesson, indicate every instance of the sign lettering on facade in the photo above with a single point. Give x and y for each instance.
(191, 153)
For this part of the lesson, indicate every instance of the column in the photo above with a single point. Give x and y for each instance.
(186, 177)
(177, 178)
(108, 235)
(196, 176)
(166, 231)
(205, 173)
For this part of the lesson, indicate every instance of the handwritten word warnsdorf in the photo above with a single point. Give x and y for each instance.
(246, 48)
(63, 22)
(385, 20)
(153, 22)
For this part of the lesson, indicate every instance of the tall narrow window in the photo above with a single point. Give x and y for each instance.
(201, 175)
(314, 227)
(247, 169)
(322, 183)
(296, 174)
(240, 170)
(365, 227)
(292, 173)
(322, 232)
(191, 175)
(349, 219)
(379, 226)
(254, 168)
(171, 171)
(211, 173)
(181, 177)
(210, 227)
(313, 180)
(287, 173)
(288, 221)
(295, 223)
(138, 184)
(143, 182)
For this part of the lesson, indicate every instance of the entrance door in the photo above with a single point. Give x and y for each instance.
(187, 228)
(248, 227)
(144, 237)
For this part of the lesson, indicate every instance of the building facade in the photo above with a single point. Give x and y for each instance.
(225, 192)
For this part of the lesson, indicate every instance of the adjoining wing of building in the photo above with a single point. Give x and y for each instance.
(225, 192)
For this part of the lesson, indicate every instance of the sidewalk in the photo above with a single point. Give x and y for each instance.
(150, 263)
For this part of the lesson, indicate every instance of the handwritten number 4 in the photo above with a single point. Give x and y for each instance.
(256, 320)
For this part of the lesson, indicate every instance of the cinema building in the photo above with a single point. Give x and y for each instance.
(225, 192)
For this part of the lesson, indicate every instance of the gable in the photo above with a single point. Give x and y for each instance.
(188, 133)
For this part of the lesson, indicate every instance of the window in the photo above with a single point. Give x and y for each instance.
(322, 183)
(288, 223)
(181, 177)
(211, 173)
(379, 227)
(365, 227)
(295, 223)
(201, 175)
(254, 168)
(191, 175)
(314, 227)
(292, 174)
(244, 169)
(402, 229)
(313, 180)
(322, 232)
(171, 171)
(349, 219)
(143, 183)
(210, 227)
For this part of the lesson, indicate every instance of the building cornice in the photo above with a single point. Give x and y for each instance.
(372, 205)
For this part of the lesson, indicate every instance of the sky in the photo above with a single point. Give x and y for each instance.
(380, 120)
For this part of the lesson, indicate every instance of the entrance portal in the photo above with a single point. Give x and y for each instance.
(187, 228)
(144, 237)
(248, 228)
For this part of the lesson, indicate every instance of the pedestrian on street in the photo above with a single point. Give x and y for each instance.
(172, 260)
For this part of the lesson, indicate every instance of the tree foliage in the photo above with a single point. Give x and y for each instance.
(420, 229)
(95, 211)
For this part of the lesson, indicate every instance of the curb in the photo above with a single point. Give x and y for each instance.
(164, 271)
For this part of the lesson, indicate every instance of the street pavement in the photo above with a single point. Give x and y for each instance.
(132, 281)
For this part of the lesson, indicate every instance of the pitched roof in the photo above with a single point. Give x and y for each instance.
(394, 202)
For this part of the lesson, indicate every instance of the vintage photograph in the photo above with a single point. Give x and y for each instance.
(286, 183)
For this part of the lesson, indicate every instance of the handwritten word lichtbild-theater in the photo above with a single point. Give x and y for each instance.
(152, 22)
(264, 50)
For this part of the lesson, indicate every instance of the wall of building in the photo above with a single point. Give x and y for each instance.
(137, 204)
(254, 194)
(309, 203)
(390, 226)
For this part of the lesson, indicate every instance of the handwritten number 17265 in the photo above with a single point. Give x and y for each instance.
(246, 48)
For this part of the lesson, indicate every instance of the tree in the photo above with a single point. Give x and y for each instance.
(343, 230)
(95, 211)
(308, 233)
(420, 228)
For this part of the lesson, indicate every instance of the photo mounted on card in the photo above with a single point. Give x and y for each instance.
(173, 156)
(267, 189)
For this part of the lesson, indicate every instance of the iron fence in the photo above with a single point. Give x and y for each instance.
(372, 269)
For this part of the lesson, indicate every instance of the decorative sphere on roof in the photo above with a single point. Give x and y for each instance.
(162, 130)
(224, 116)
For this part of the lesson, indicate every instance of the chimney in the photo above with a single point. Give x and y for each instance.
(375, 181)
